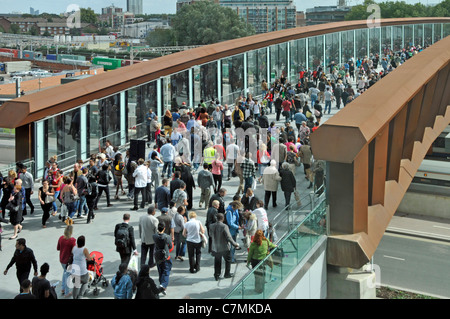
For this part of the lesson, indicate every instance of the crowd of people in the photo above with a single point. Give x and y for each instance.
(204, 142)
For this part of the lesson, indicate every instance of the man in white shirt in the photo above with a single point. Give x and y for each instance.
(232, 153)
(168, 153)
(261, 216)
(256, 110)
(328, 97)
(141, 175)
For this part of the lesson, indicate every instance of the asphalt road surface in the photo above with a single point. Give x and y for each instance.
(414, 264)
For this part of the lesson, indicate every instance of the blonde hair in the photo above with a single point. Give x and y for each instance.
(192, 215)
(12, 173)
(68, 231)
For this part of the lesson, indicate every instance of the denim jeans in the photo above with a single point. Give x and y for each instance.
(82, 205)
(65, 276)
(70, 209)
(233, 249)
(164, 269)
(327, 105)
(313, 99)
(55, 208)
(168, 166)
(180, 245)
(248, 181)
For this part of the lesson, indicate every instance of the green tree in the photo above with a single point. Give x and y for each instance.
(88, 16)
(206, 22)
(34, 30)
(14, 29)
(391, 9)
(161, 37)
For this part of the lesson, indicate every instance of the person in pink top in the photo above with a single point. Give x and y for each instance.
(65, 245)
(217, 168)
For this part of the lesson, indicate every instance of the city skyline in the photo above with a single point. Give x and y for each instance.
(150, 6)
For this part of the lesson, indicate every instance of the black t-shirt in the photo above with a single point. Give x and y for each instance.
(39, 286)
(25, 296)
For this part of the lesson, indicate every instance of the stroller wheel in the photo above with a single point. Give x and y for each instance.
(95, 292)
(105, 283)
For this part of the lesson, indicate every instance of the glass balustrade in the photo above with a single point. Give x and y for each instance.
(289, 253)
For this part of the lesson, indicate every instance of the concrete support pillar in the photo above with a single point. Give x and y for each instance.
(348, 283)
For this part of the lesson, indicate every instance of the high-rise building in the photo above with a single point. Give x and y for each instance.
(326, 14)
(135, 6)
(265, 15)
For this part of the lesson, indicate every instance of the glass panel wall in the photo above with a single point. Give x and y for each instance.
(298, 58)
(386, 40)
(139, 101)
(175, 90)
(278, 60)
(437, 31)
(408, 36)
(446, 29)
(398, 37)
(205, 82)
(418, 34)
(347, 47)
(361, 43)
(232, 78)
(62, 137)
(428, 35)
(109, 116)
(332, 48)
(315, 52)
(256, 70)
(374, 41)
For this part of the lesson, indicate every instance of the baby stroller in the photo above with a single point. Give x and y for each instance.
(96, 271)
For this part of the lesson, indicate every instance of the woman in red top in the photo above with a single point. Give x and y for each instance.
(263, 157)
(65, 245)
(217, 168)
(56, 186)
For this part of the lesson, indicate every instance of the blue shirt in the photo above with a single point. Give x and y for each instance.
(168, 152)
(299, 118)
(232, 220)
(162, 197)
(175, 116)
(124, 288)
(190, 124)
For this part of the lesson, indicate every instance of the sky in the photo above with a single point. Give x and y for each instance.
(150, 6)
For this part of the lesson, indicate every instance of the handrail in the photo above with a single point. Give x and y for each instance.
(374, 147)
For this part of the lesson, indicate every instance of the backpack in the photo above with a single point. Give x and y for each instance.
(160, 252)
(88, 190)
(122, 237)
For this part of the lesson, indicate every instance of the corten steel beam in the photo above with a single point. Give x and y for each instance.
(39, 105)
(381, 139)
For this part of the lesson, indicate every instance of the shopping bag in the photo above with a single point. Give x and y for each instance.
(133, 264)
(204, 240)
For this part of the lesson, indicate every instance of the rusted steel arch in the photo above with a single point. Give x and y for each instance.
(375, 146)
(39, 105)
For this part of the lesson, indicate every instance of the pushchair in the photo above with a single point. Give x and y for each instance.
(95, 270)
